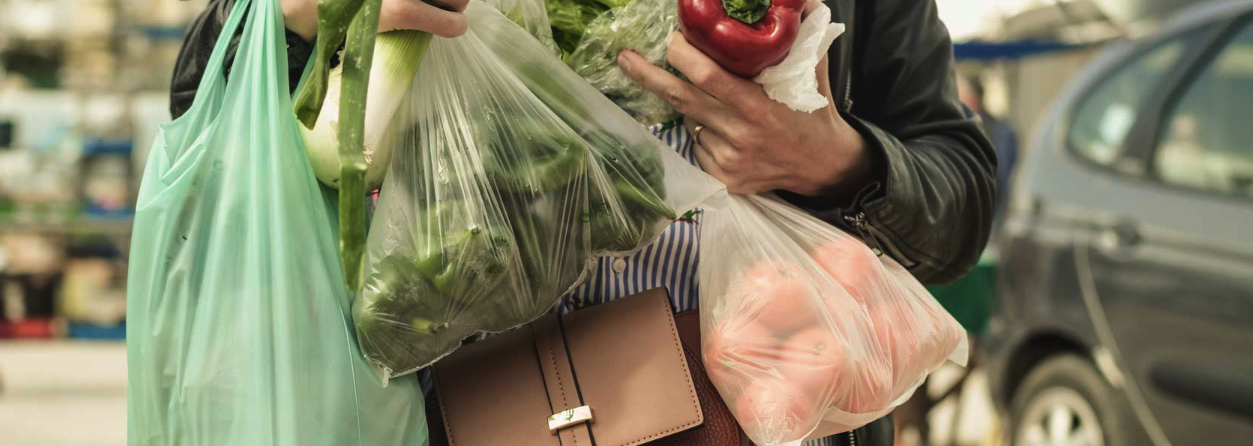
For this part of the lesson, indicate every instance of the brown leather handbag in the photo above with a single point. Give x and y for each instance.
(624, 373)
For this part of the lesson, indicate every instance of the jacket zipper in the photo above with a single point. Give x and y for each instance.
(877, 239)
(858, 221)
(848, 90)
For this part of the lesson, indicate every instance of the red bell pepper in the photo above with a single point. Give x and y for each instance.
(743, 36)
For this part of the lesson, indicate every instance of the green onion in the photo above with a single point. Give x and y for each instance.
(397, 56)
(333, 19)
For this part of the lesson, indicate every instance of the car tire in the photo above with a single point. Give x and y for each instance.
(1064, 400)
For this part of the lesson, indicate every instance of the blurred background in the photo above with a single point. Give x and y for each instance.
(1114, 306)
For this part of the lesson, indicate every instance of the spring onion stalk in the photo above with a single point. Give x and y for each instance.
(334, 17)
(357, 61)
(397, 56)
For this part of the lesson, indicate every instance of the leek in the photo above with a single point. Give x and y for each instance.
(397, 56)
(355, 24)
(333, 21)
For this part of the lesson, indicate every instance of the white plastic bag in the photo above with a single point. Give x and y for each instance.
(793, 81)
(510, 176)
(803, 325)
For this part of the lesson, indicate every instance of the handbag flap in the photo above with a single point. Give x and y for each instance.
(610, 375)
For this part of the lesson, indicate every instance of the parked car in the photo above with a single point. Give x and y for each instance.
(1125, 308)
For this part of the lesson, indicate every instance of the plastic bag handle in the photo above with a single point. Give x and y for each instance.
(215, 71)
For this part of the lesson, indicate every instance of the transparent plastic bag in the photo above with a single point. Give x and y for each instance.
(532, 16)
(806, 331)
(570, 19)
(238, 329)
(510, 177)
(643, 26)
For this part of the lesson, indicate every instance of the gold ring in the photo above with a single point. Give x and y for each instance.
(696, 133)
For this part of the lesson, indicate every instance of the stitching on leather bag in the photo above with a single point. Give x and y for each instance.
(678, 348)
(548, 344)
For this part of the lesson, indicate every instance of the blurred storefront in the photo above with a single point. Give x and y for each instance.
(81, 83)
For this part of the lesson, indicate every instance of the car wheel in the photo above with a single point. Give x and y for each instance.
(1064, 401)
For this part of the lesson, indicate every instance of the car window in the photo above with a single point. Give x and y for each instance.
(1207, 142)
(1105, 116)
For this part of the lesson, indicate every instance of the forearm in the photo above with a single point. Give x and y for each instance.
(935, 208)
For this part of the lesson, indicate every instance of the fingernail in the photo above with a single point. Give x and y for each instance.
(669, 39)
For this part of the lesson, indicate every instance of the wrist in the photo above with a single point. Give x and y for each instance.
(846, 168)
(301, 18)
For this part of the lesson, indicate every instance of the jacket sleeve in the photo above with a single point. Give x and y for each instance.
(202, 35)
(931, 200)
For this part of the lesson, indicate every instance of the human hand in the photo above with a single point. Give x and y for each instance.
(747, 140)
(445, 20)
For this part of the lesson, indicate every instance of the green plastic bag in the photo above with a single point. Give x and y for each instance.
(238, 326)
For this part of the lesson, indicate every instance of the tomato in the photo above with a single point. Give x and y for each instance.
(779, 296)
(898, 336)
(852, 264)
(946, 335)
(775, 412)
(737, 348)
(869, 388)
(714, 351)
(815, 360)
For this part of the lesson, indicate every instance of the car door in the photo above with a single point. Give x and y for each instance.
(1166, 268)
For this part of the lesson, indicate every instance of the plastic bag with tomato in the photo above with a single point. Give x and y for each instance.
(807, 332)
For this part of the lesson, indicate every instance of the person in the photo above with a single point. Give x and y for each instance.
(1004, 141)
(895, 151)
(895, 157)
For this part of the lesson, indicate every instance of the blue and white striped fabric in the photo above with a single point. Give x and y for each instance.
(669, 262)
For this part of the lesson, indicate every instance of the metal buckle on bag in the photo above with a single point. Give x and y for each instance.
(570, 417)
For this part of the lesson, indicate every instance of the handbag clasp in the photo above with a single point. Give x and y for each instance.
(570, 417)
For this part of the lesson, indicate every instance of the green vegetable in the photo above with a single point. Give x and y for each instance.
(533, 157)
(353, 23)
(397, 57)
(460, 259)
(401, 322)
(636, 181)
(550, 243)
(643, 26)
(407, 314)
(620, 222)
(467, 261)
(358, 59)
(642, 200)
(569, 20)
(334, 17)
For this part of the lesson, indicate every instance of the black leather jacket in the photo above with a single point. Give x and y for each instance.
(931, 203)
(931, 200)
